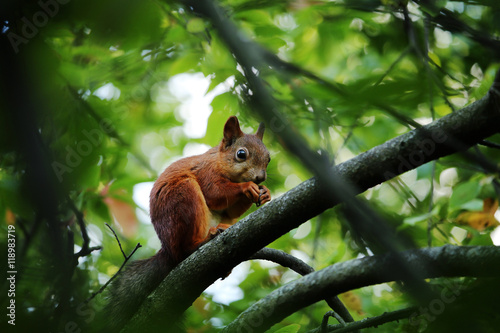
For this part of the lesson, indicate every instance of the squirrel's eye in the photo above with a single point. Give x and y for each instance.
(241, 155)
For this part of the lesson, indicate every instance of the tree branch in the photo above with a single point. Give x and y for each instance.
(369, 322)
(324, 323)
(85, 250)
(445, 261)
(126, 259)
(489, 144)
(284, 259)
(297, 265)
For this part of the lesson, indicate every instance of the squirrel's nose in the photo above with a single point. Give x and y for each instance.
(260, 177)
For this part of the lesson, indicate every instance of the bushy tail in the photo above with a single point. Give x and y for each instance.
(131, 288)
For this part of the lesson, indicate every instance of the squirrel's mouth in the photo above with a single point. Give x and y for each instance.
(258, 180)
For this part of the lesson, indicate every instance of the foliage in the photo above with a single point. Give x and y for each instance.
(117, 90)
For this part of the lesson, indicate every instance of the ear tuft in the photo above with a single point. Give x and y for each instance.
(260, 131)
(232, 131)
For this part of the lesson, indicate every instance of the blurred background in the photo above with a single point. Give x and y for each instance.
(98, 97)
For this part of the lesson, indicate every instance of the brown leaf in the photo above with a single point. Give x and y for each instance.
(10, 218)
(490, 206)
(352, 301)
(123, 212)
(481, 220)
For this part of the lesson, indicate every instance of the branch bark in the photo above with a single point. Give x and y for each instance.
(445, 261)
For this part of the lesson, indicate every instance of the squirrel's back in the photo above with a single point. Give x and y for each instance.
(178, 208)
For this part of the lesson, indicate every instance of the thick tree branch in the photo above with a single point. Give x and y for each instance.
(431, 262)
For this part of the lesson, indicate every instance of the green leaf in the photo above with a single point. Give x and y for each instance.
(195, 25)
(419, 218)
(185, 63)
(475, 204)
(481, 239)
(464, 193)
(89, 175)
(98, 209)
(293, 328)
(177, 34)
(256, 17)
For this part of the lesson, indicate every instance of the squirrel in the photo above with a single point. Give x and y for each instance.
(191, 202)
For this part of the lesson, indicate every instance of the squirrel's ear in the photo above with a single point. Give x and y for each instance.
(260, 131)
(232, 131)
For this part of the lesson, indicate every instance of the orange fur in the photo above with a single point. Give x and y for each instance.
(214, 186)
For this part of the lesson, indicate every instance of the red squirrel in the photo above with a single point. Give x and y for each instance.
(199, 196)
(193, 200)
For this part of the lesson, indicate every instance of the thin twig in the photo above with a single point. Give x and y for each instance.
(476, 155)
(85, 250)
(423, 56)
(447, 20)
(489, 144)
(117, 239)
(369, 322)
(426, 64)
(113, 277)
(110, 132)
(282, 65)
(29, 234)
(127, 258)
(324, 322)
(431, 205)
(391, 67)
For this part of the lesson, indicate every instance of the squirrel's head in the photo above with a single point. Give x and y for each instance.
(245, 156)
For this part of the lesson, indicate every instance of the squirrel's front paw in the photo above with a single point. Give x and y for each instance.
(264, 195)
(252, 191)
